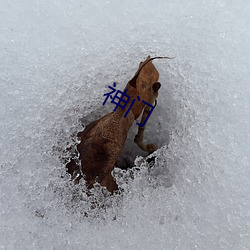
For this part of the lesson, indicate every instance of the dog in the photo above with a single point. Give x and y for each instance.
(102, 140)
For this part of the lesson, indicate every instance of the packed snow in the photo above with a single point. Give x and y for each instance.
(57, 59)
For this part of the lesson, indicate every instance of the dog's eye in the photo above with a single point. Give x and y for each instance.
(156, 86)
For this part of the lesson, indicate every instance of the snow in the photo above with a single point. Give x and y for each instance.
(56, 62)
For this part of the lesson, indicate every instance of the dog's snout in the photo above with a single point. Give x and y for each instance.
(156, 86)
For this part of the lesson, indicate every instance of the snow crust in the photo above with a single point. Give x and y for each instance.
(57, 60)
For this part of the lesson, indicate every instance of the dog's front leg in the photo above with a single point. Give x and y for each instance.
(150, 148)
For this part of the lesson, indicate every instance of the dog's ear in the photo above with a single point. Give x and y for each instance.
(132, 82)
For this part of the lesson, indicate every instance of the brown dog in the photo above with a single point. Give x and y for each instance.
(102, 140)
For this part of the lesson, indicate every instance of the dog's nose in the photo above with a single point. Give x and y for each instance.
(156, 87)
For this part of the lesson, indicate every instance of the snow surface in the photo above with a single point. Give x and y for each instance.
(57, 59)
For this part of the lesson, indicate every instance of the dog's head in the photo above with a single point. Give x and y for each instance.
(144, 85)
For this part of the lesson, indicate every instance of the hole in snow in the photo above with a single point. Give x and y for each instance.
(156, 132)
